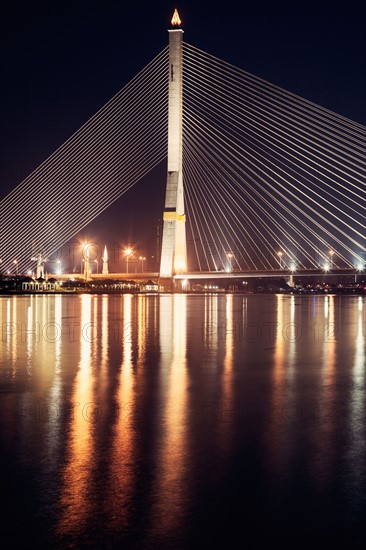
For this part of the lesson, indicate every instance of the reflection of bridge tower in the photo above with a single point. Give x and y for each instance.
(174, 252)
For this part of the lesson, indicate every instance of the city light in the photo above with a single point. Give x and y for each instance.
(331, 254)
(128, 251)
(229, 267)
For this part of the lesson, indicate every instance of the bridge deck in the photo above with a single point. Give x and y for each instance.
(211, 274)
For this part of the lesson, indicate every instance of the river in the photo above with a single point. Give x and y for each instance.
(183, 421)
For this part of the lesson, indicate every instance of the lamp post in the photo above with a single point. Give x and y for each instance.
(142, 258)
(331, 254)
(128, 252)
(81, 266)
(229, 256)
(16, 267)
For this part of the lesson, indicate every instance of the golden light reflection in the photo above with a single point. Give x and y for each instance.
(276, 407)
(357, 450)
(13, 320)
(53, 424)
(211, 326)
(170, 489)
(142, 327)
(227, 376)
(327, 396)
(122, 465)
(291, 335)
(104, 351)
(279, 356)
(75, 497)
(229, 348)
(329, 347)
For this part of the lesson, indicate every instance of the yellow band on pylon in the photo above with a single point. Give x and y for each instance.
(171, 216)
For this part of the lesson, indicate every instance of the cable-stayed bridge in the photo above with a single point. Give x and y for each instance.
(272, 181)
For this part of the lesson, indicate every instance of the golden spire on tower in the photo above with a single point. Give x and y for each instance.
(176, 22)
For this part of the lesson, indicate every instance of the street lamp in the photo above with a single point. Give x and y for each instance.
(128, 252)
(331, 254)
(96, 261)
(229, 256)
(142, 258)
(16, 266)
(280, 254)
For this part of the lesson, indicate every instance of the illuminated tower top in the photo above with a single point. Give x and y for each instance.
(176, 21)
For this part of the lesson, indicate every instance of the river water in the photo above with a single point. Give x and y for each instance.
(183, 421)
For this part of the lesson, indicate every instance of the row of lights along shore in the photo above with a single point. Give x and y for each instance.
(129, 251)
(327, 266)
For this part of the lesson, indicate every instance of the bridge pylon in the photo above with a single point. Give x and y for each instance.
(174, 248)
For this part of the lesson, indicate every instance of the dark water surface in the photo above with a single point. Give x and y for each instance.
(181, 421)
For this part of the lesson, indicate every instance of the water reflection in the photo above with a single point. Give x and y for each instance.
(357, 443)
(75, 497)
(106, 395)
(122, 464)
(170, 491)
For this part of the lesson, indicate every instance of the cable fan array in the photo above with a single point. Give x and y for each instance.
(271, 179)
(109, 154)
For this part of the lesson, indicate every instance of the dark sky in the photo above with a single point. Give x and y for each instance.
(62, 61)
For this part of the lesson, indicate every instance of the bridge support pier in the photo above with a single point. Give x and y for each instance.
(167, 284)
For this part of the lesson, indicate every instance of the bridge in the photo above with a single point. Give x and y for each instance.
(260, 182)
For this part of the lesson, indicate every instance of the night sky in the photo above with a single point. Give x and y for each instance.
(62, 61)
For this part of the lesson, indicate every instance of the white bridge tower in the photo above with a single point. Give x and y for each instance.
(174, 250)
